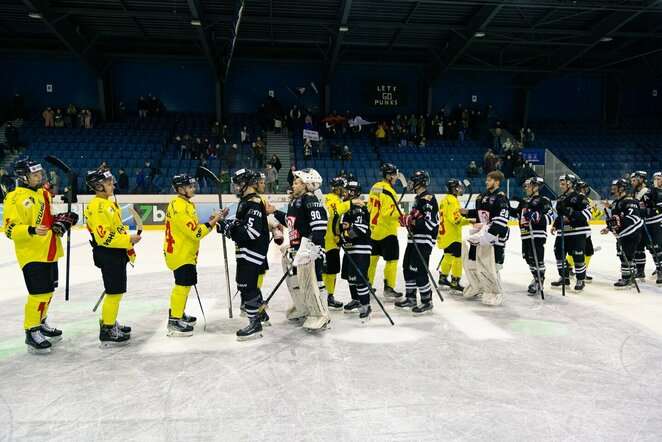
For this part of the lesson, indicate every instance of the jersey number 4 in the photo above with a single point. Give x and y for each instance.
(169, 239)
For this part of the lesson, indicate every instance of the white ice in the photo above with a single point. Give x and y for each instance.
(580, 367)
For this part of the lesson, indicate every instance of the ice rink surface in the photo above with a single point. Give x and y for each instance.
(580, 367)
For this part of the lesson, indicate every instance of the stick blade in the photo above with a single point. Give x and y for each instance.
(209, 175)
(55, 161)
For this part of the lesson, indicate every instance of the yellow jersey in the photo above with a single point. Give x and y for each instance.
(596, 212)
(183, 234)
(26, 208)
(450, 222)
(383, 213)
(104, 222)
(334, 204)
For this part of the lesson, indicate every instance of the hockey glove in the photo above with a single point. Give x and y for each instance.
(535, 217)
(277, 233)
(405, 220)
(224, 227)
(63, 222)
(614, 223)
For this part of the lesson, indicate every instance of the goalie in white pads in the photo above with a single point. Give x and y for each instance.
(306, 221)
(483, 258)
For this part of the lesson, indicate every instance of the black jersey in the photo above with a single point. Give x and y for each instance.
(493, 209)
(629, 217)
(306, 218)
(426, 219)
(650, 205)
(575, 207)
(543, 207)
(356, 231)
(250, 230)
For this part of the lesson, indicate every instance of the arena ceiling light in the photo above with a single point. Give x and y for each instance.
(35, 15)
(343, 28)
(606, 39)
(196, 22)
(479, 34)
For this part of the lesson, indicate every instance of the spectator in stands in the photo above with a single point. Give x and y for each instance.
(142, 107)
(380, 135)
(522, 134)
(104, 166)
(335, 151)
(508, 163)
(259, 149)
(123, 181)
(140, 181)
(244, 135)
(120, 112)
(278, 125)
(225, 135)
(346, 154)
(187, 141)
(423, 142)
(153, 106)
(472, 170)
(529, 138)
(308, 123)
(460, 130)
(275, 162)
(224, 178)
(11, 137)
(507, 144)
(320, 149)
(232, 156)
(70, 119)
(342, 174)
(294, 118)
(525, 172)
(153, 178)
(412, 122)
(49, 117)
(490, 164)
(290, 175)
(197, 149)
(421, 126)
(271, 177)
(497, 137)
(351, 176)
(58, 120)
(307, 151)
(6, 181)
(87, 118)
(199, 174)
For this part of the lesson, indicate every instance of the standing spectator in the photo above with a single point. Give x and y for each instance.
(188, 146)
(140, 181)
(412, 122)
(307, 151)
(346, 154)
(120, 113)
(232, 156)
(529, 138)
(54, 181)
(224, 178)
(290, 176)
(244, 135)
(123, 182)
(472, 170)
(58, 120)
(497, 137)
(278, 125)
(508, 164)
(507, 144)
(320, 149)
(294, 118)
(270, 178)
(380, 135)
(490, 164)
(11, 137)
(49, 117)
(87, 117)
(70, 119)
(199, 175)
(275, 161)
(525, 172)
(259, 151)
(153, 178)
(142, 107)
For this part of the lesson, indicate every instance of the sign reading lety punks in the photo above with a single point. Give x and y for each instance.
(386, 94)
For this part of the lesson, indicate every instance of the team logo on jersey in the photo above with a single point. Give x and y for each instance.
(192, 225)
(28, 202)
(101, 231)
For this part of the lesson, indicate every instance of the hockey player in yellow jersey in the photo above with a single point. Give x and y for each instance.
(384, 230)
(180, 249)
(335, 208)
(112, 249)
(596, 213)
(30, 223)
(449, 239)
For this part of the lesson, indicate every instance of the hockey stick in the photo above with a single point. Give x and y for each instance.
(403, 181)
(561, 213)
(265, 304)
(139, 230)
(210, 175)
(627, 262)
(71, 176)
(204, 327)
(539, 289)
(467, 184)
(418, 251)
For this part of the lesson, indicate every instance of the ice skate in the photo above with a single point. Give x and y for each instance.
(333, 304)
(424, 309)
(352, 306)
(112, 336)
(178, 328)
(455, 286)
(589, 279)
(624, 284)
(264, 319)
(444, 284)
(559, 282)
(579, 286)
(366, 312)
(534, 287)
(36, 341)
(252, 331)
(190, 320)
(390, 295)
(406, 304)
(51, 333)
(640, 275)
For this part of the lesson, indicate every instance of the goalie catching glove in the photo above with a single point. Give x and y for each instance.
(307, 253)
(62, 222)
(482, 237)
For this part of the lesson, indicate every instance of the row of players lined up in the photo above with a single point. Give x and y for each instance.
(311, 259)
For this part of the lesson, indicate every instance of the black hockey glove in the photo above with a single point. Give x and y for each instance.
(224, 227)
(614, 224)
(62, 222)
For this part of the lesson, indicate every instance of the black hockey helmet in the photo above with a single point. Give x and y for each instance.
(621, 184)
(95, 178)
(569, 179)
(183, 180)
(26, 166)
(640, 175)
(388, 169)
(354, 189)
(243, 178)
(535, 181)
(452, 185)
(420, 178)
(338, 182)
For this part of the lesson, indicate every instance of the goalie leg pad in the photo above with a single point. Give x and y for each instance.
(298, 308)
(473, 286)
(318, 314)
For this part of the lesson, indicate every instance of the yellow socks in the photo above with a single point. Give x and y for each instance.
(111, 305)
(446, 264)
(329, 282)
(390, 271)
(260, 280)
(456, 267)
(178, 299)
(35, 309)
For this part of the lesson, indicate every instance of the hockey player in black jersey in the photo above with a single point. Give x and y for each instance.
(484, 258)
(306, 221)
(573, 213)
(250, 232)
(625, 222)
(650, 207)
(422, 222)
(355, 239)
(536, 214)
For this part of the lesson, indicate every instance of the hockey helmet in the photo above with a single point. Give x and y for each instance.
(338, 182)
(354, 189)
(388, 169)
(183, 180)
(310, 177)
(640, 175)
(535, 181)
(619, 185)
(24, 167)
(244, 178)
(452, 185)
(569, 179)
(420, 178)
(95, 179)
